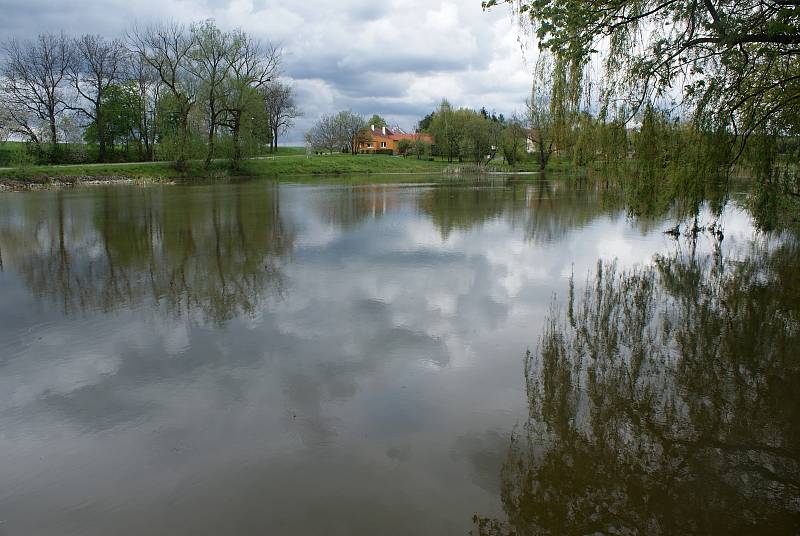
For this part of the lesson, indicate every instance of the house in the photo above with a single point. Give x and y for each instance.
(384, 139)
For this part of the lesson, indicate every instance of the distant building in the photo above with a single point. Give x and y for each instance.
(386, 138)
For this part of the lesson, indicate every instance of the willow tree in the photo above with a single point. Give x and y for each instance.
(728, 67)
(662, 402)
(735, 60)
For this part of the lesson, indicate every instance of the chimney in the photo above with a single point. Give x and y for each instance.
(373, 128)
(383, 130)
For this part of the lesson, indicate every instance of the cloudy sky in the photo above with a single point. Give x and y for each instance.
(395, 58)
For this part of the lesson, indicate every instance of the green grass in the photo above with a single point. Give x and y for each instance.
(12, 153)
(18, 154)
(285, 151)
(556, 164)
(158, 170)
(282, 165)
(340, 164)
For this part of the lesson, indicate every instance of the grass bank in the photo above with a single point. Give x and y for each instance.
(285, 165)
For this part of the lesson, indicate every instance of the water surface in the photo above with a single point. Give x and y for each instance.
(263, 358)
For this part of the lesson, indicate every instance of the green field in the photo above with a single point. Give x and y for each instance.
(17, 154)
(287, 162)
(282, 165)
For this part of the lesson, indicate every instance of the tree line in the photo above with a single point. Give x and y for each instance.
(458, 134)
(165, 90)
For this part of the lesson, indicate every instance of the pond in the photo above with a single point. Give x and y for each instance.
(343, 358)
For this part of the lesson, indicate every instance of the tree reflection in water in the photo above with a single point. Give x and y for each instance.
(210, 250)
(665, 401)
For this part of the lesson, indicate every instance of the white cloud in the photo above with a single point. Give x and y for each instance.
(397, 59)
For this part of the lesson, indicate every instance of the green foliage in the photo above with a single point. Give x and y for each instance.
(446, 129)
(464, 133)
(738, 57)
(480, 137)
(122, 107)
(731, 67)
(16, 154)
(403, 146)
(513, 142)
(377, 120)
(425, 123)
(421, 148)
(292, 162)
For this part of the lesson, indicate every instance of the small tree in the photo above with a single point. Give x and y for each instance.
(352, 130)
(120, 117)
(421, 148)
(477, 137)
(513, 140)
(447, 130)
(403, 147)
(325, 135)
(281, 108)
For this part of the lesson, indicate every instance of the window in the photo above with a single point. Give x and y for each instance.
(369, 146)
(383, 145)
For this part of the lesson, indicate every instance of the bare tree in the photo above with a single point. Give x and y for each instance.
(148, 86)
(252, 65)
(210, 63)
(5, 123)
(99, 64)
(167, 49)
(281, 108)
(352, 130)
(34, 75)
(326, 134)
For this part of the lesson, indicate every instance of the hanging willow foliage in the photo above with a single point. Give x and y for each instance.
(724, 74)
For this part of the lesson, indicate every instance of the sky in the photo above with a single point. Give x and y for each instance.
(396, 58)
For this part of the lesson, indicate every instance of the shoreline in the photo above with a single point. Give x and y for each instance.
(38, 177)
(48, 182)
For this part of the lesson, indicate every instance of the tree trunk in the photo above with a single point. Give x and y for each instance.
(180, 163)
(101, 135)
(145, 143)
(237, 147)
(210, 152)
(53, 139)
(542, 157)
